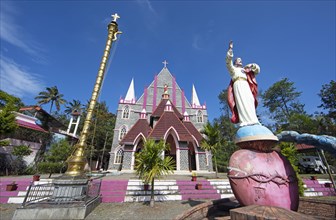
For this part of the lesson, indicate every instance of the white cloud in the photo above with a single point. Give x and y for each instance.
(196, 42)
(147, 4)
(15, 80)
(16, 35)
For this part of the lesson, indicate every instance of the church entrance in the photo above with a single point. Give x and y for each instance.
(138, 149)
(191, 157)
(172, 151)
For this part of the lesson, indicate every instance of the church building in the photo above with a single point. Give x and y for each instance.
(161, 112)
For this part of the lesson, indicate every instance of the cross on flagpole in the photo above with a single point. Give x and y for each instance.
(115, 17)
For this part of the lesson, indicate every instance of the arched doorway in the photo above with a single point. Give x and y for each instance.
(172, 148)
(138, 149)
(191, 157)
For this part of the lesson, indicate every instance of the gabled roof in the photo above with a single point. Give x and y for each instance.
(161, 107)
(30, 125)
(141, 126)
(167, 120)
(48, 121)
(193, 130)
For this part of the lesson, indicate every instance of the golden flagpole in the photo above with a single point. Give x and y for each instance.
(77, 160)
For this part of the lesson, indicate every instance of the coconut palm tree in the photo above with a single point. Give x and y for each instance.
(212, 141)
(74, 106)
(51, 95)
(150, 163)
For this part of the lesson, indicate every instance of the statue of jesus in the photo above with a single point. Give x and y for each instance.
(242, 91)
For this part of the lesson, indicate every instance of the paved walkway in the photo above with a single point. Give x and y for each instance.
(128, 211)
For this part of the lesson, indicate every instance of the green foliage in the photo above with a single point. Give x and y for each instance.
(6, 99)
(21, 151)
(101, 129)
(227, 132)
(73, 107)
(7, 120)
(4, 143)
(328, 98)
(150, 164)
(55, 159)
(212, 141)
(282, 101)
(51, 95)
(290, 152)
(50, 167)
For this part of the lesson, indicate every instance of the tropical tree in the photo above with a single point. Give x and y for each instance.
(51, 95)
(74, 106)
(212, 141)
(227, 132)
(150, 163)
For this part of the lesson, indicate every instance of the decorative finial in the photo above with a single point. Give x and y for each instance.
(115, 17)
(165, 63)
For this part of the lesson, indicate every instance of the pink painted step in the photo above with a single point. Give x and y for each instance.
(113, 190)
(22, 186)
(188, 191)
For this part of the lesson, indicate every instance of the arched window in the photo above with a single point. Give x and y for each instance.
(119, 156)
(126, 112)
(199, 116)
(122, 132)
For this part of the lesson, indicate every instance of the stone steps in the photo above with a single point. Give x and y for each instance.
(133, 190)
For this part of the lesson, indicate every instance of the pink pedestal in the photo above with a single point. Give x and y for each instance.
(263, 178)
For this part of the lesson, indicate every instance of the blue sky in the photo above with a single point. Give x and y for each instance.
(48, 43)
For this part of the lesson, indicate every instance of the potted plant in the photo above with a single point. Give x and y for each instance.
(36, 177)
(146, 186)
(11, 186)
(328, 185)
(313, 177)
(198, 186)
(193, 176)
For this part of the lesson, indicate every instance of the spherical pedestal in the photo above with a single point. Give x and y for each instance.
(263, 178)
(259, 175)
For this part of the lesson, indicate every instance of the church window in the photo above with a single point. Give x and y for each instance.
(199, 116)
(126, 112)
(119, 156)
(122, 133)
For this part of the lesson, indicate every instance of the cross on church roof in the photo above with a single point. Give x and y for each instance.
(165, 63)
(115, 17)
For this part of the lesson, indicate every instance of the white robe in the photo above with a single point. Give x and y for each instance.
(242, 93)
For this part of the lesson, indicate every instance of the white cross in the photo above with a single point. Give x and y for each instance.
(165, 63)
(115, 17)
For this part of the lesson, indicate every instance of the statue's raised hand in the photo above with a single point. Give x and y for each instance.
(231, 45)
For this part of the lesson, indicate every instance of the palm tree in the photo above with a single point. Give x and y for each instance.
(51, 95)
(212, 140)
(74, 106)
(150, 163)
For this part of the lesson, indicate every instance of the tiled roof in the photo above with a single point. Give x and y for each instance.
(193, 130)
(28, 125)
(170, 119)
(141, 126)
(160, 109)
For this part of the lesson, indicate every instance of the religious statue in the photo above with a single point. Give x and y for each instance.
(242, 91)
(258, 174)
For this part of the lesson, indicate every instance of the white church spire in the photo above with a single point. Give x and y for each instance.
(130, 96)
(194, 98)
